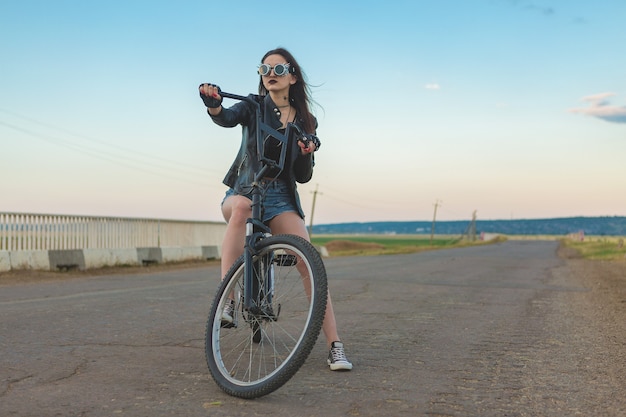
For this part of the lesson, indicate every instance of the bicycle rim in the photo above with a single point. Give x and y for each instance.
(262, 349)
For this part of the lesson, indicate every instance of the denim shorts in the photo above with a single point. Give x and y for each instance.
(277, 200)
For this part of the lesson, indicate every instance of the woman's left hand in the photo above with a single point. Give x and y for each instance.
(306, 146)
(308, 143)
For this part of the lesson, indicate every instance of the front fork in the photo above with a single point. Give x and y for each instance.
(255, 231)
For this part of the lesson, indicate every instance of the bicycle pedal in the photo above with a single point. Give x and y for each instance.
(268, 313)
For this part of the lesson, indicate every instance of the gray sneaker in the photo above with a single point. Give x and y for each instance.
(228, 313)
(337, 358)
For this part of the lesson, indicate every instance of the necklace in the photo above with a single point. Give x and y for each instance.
(284, 105)
(288, 116)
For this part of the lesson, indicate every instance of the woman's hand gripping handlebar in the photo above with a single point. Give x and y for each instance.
(210, 95)
(307, 142)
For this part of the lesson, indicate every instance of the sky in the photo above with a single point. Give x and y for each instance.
(506, 109)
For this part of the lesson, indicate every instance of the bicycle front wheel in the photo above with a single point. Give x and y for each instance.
(264, 346)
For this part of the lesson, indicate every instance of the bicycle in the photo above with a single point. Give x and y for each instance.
(278, 289)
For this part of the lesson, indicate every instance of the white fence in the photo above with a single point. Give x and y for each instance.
(32, 232)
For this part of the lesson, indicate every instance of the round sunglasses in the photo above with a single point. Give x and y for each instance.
(279, 69)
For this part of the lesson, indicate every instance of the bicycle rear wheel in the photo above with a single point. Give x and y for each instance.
(265, 346)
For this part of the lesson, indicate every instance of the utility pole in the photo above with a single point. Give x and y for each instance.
(472, 231)
(432, 229)
(312, 211)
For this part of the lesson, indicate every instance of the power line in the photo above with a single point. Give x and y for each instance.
(116, 159)
(128, 161)
(136, 155)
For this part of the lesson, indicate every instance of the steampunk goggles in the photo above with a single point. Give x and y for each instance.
(279, 69)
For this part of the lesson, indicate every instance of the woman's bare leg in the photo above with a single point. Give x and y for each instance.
(291, 223)
(236, 210)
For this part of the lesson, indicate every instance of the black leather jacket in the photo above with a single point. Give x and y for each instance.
(241, 173)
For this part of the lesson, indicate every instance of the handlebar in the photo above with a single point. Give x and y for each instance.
(235, 96)
(300, 134)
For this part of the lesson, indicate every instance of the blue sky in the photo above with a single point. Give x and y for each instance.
(512, 109)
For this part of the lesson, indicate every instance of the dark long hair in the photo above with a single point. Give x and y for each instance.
(299, 93)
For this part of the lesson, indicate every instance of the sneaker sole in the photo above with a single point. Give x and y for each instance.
(340, 366)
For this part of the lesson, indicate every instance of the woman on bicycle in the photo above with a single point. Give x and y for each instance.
(284, 97)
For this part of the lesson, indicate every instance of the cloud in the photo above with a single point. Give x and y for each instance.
(600, 107)
(432, 86)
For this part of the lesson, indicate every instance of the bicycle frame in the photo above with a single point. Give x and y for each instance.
(255, 229)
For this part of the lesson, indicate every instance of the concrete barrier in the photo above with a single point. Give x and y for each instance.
(66, 259)
(211, 252)
(30, 259)
(99, 258)
(147, 256)
(5, 261)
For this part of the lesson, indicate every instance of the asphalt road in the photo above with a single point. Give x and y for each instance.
(483, 331)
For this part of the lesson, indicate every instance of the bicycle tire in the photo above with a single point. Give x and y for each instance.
(259, 352)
